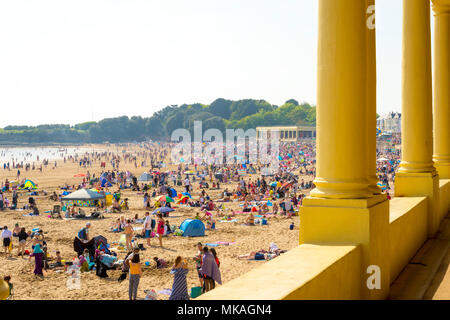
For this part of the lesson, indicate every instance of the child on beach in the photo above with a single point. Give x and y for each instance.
(135, 275)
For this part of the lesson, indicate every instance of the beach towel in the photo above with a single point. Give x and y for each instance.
(234, 220)
(166, 292)
(212, 244)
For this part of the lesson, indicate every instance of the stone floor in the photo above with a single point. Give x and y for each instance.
(427, 276)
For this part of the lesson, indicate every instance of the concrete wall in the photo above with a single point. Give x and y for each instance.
(335, 271)
(407, 231)
(306, 272)
(444, 197)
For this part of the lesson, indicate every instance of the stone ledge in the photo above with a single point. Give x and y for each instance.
(305, 272)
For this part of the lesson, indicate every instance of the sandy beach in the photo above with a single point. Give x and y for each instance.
(60, 234)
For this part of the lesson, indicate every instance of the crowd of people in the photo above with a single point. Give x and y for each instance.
(256, 191)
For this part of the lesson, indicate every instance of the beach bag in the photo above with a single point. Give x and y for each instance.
(195, 292)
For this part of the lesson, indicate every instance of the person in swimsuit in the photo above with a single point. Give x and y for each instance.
(160, 228)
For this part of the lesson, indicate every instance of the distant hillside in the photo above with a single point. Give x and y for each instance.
(221, 114)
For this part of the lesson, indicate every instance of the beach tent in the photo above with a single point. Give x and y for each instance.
(105, 183)
(192, 228)
(84, 195)
(28, 184)
(145, 177)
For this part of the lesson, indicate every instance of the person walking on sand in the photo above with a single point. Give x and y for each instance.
(135, 275)
(23, 236)
(7, 239)
(147, 228)
(160, 229)
(128, 230)
(179, 287)
(38, 255)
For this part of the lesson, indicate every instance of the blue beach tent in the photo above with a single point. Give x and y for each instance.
(192, 228)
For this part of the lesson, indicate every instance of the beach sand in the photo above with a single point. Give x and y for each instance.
(60, 234)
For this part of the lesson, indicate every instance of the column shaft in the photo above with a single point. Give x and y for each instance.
(371, 98)
(441, 115)
(417, 134)
(342, 165)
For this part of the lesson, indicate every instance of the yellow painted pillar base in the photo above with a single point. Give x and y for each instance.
(421, 185)
(352, 221)
(443, 169)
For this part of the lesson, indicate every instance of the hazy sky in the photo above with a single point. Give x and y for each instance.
(74, 61)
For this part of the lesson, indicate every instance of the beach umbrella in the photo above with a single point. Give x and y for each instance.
(80, 175)
(382, 159)
(163, 210)
(189, 172)
(183, 199)
(273, 184)
(186, 194)
(382, 186)
(165, 199)
(286, 184)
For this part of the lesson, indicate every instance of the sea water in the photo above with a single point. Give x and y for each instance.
(30, 154)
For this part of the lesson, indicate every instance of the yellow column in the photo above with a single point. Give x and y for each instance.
(342, 209)
(341, 116)
(417, 136)
(417, 175)
(441, 117)
(371, 98)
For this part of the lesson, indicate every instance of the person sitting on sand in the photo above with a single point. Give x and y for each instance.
(160, 263)
(80, 214)
(73, 211)
(116, 206)
(58, 259)
(124, 205)
(250, 221)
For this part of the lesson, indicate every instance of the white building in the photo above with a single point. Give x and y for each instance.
(392, 122)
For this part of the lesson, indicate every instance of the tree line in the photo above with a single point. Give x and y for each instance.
(220, 114)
